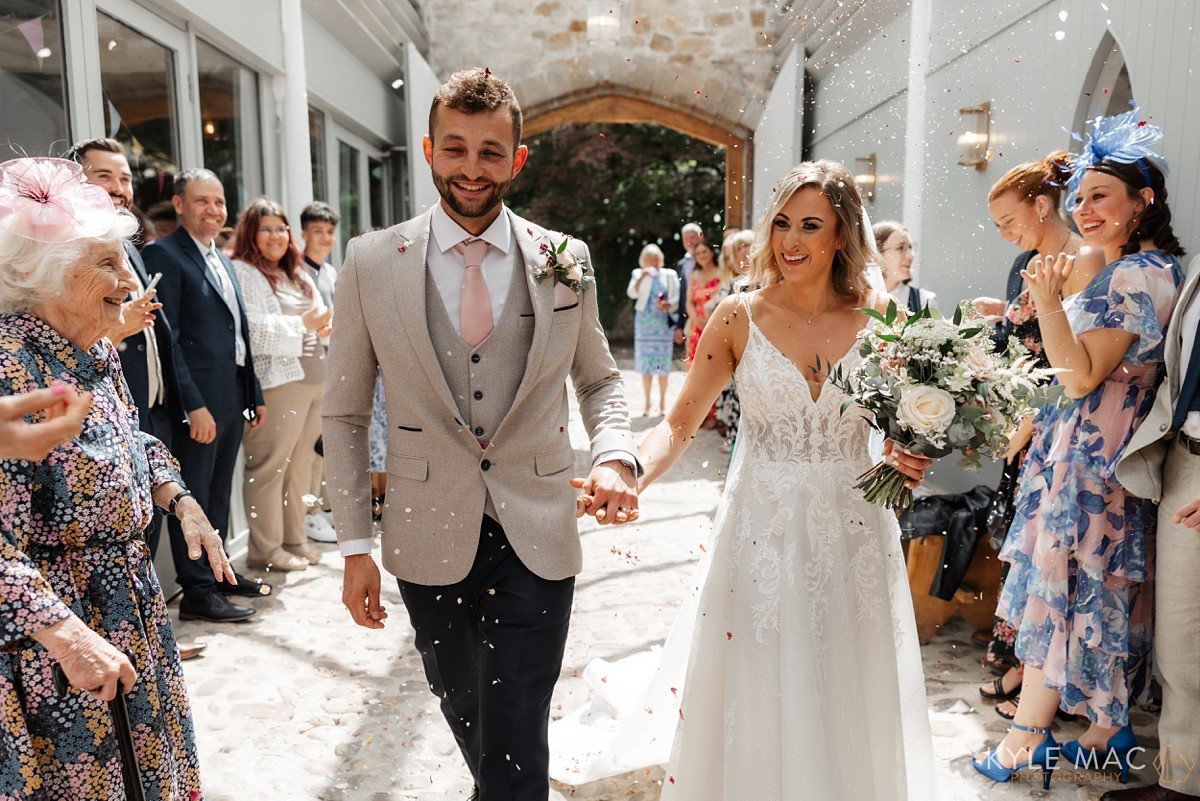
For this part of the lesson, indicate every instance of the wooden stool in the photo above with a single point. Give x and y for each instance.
(976, 598)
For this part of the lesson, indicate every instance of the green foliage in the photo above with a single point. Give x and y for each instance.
(619, 187)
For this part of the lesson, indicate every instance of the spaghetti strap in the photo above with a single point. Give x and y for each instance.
(744, 297)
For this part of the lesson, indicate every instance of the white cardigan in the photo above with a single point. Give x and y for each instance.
(642, 294)
(276, 339)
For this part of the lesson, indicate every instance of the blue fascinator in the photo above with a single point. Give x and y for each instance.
(1122, 138)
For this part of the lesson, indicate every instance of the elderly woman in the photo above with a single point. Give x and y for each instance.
(655, 292)
(76, 583)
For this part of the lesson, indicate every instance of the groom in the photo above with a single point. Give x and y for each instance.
(475, 324)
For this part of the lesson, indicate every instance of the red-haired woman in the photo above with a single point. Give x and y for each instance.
(287, 322)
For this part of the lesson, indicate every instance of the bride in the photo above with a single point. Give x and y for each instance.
(804, 678)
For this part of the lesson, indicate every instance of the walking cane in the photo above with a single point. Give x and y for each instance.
(120, 714)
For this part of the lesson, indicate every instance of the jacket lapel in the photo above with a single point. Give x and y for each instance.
(189, 246)
(541, 293)
(411, 242)
(1173, 355)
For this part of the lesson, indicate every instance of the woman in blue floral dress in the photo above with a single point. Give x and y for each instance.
(77, 586)
(1080, 547)
(655, 291)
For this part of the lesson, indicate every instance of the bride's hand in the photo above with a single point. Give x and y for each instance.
(912, 465)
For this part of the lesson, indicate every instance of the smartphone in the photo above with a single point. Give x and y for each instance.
(153, 283)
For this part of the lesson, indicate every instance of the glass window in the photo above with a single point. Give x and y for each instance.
(33, 91)
(349, 192)
(229, 122)
(316, 139)
(137, 78)
(376, 174)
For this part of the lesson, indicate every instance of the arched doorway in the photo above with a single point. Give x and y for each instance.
(1108, 89)
(614, 106)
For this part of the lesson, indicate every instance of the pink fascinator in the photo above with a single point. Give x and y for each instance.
(48, 200)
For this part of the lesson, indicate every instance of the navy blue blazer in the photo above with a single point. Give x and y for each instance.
(133, 358)
(203, 329)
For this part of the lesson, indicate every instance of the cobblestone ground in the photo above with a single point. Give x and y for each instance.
(300, 704)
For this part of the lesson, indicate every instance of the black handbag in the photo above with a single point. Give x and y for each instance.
(1003, 506)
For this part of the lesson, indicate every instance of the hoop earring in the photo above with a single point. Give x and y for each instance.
(1042, 219)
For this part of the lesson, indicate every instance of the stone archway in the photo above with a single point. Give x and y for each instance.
(611, 105)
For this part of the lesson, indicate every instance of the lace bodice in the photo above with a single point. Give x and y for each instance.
(780, 420)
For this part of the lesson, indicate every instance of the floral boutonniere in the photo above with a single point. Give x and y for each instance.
(558, 261)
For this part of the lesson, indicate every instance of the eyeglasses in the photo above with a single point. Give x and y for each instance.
(282, 231)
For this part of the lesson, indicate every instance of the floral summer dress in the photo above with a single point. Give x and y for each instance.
(1081, 548)
(72, 542)
(701, 294)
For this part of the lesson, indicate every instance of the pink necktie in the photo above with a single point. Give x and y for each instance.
(475, 314)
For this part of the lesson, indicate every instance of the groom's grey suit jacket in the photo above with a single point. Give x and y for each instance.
(1140, 466)
(440, 392)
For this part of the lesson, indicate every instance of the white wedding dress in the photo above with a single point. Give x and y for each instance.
(804, 679)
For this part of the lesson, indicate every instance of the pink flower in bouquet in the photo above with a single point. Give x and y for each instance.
(978, 363)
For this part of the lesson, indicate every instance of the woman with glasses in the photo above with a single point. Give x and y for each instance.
(896, 247)
(288, 322)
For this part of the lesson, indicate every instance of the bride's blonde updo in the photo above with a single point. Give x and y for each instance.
(854, 254)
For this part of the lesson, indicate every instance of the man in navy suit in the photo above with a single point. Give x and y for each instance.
(203, 304)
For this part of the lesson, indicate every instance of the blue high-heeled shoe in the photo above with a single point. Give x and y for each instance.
(1119, 747)
(1045, 756)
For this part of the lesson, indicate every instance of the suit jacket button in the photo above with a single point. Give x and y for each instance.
(479, 431)
(141, 347)
(475, 358)
(231, 326)
(478, 395)
(485, 465)
(1163, 427)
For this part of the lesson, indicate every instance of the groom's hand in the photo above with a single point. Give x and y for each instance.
(360, 591)
(609, 493)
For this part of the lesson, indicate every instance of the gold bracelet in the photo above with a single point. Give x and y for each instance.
(1049, 313)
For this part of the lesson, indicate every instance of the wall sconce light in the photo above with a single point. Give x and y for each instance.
(604, 23)
(210, 128)
(866, 176)
(973, 150)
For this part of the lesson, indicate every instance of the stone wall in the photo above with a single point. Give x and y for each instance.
(714, 58)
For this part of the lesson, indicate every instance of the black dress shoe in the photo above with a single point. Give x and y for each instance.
(250, 587)
(215, 608)
(474, 795)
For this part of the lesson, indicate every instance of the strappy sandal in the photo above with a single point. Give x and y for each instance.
(998, 693)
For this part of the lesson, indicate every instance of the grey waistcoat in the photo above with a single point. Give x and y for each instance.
(484, 379)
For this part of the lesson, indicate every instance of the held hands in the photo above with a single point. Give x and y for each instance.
(1046, 278)
(90, 662)
(609, 494)
(912, 465)
(65, 411)
(360, 591)
(202, 538)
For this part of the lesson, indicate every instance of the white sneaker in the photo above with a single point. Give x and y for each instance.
(319, 529)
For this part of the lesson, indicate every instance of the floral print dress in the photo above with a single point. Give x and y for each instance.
(1081, 548)
(72, 542)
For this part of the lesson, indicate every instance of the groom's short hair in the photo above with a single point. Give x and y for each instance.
(475, 90)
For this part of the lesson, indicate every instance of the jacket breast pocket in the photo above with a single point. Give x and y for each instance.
(410, 467)
(547, 464)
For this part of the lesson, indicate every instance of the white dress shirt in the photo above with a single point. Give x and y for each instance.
(156, 391)
(217, 269)
(447, 266)
(1189, 322)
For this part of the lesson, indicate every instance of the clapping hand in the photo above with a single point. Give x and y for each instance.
(609, 493)
(1046, 278)
(65, 411)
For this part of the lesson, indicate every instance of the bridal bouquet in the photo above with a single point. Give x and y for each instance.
(934, 386)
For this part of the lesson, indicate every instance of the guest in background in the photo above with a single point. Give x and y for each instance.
(287, 320)
(163, 218)
(735, 261)
(203, 304)
(655, 290)
(1025, 205)
(689, 235)
(896, 249)
(1081, 546)
(77, 587)
(145, 232)
(702, 287)
(318, 229)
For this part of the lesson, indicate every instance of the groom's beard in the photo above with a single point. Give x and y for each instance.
(479, 207)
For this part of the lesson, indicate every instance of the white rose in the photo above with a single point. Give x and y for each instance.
(925, 410)
(570, 265)
(978, 363)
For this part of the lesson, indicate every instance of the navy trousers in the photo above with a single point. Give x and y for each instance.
(492, 646)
